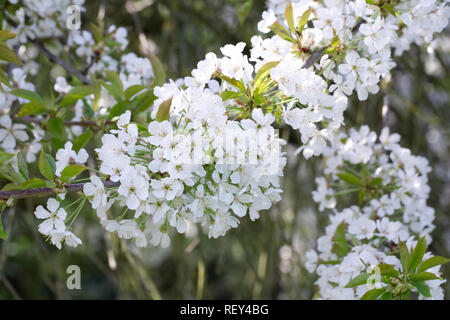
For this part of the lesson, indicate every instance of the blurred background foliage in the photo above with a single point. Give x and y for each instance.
(258, 260)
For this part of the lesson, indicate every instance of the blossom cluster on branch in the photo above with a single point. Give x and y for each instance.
(377, 191)
(204, 149)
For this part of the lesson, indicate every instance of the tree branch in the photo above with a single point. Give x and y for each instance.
(35, 192)
(67, 66)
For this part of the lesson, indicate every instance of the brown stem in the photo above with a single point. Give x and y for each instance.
(68, 66)
(35, 192)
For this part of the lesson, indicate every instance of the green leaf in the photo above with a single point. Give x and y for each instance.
(143, 101)
(388, 270)
(115, 88)
(4, 78)
(56, 127)
(340, 246)
(288, 13)
(31, 108)
(349, 178)
(7, 172)
(235, 83)
(96, 32)
(3, 233)
(263, 73)
(422, 288)
(373, 294)
(133, 90)
(417, 254)
(22, 164)
(33, 183)
(71, 172)
(46, 165)
(6, 35)
(97, 90)
(361, 195)
(404, 256)
(376, 182)
(82, 140)
(389, 9)
(358, 280)
(5, 156)
(303, 20)
(281, 31)
(228, 94)
(432, 262)
(424, 276)
(158, 70)
(6, 54)
(76, 94)
(28, 95)
(243, 9)
(164, 111)
(386, 296)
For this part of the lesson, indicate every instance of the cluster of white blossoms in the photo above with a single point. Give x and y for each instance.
(354, 40)
(53, 225)
(40, 18)
(210, 154)
(196, 167)
(392, 187)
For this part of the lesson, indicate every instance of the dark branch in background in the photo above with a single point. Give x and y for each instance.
(67, 66)
(26, 193)
(146, 47)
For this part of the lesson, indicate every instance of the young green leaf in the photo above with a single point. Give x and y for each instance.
(386, 296)
(263, 73)
(423, 276)
(358, 280)
(281, 31)
(404, 256)
(158, 70)
(289, 15)
(228, 94)
(133, 90)
(56, 128)
(115, 87)
(28, 95)
(417, 254)
(82, 140)
(422, 288)
(31, 108)
(3, 233)
(243, 9)
(6, 54)
(5, 156)
(76, 94)
(349, 178)
(22, 164)
(373, 294)
(432, 262)
(303, 20)
(340, 246)
(46, 165)
(164, 111)
(33, 183)
(143, 101)
(9, 173)
(388, 270)
(71, 172)
(7, 35)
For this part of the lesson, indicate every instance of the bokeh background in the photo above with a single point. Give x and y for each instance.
(258, 260)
